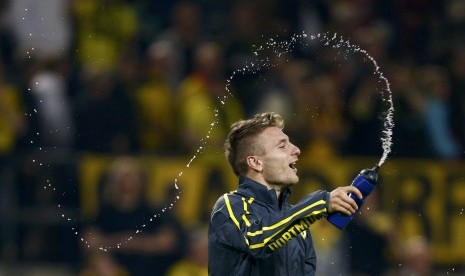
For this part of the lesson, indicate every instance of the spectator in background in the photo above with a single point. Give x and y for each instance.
(199, 100)
(331, 248)
(153, 17)
(370, 238)
(244, 33)
(322, 108)
(375, 40)
(102, 264)
(453, 23)
(296, 76)
(195, 263)
(365, 94)
(41, 29)
(456, 71)
(12, 122)
(113, 237)
(8, 42)
(104, 115)
(415, 257)
(414, 23)
(276, 90)
(155, 100)
(51, 104)
(311, 18)
(101, 36)
(348, 16)
(408, 115)
(363, 108)
(436, 110)
(35, 47)
(185, 32)
(12, 127)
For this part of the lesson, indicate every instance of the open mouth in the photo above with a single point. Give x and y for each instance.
(293, 167)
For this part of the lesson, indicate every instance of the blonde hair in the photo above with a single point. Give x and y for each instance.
(240, 142)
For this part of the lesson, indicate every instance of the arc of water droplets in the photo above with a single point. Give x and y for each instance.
(386, 94)
(279, 48)
(334, 41)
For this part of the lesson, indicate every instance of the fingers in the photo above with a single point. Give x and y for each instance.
(340, 201)
(348, 207)
(352, 189)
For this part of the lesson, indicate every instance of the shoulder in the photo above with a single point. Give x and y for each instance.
(230, 198)
(226, 205)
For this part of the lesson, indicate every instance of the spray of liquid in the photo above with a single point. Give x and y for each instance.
(335, 41)
(263, 60)
(280, 48)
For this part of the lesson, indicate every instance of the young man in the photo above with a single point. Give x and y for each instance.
(253, 230)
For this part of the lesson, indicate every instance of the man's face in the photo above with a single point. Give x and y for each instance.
(279, 157)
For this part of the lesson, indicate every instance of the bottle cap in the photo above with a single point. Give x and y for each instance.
(371, 174)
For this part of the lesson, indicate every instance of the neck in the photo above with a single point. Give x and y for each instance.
(278, 190)
(258, 178)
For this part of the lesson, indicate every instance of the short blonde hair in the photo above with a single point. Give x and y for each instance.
(240, 142)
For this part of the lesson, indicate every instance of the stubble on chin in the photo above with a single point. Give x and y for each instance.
(291, 181)
(294, 181)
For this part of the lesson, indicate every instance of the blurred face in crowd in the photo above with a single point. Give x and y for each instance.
(130, 185)
(125, 187)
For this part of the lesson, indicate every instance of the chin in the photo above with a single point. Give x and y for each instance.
(294, 180)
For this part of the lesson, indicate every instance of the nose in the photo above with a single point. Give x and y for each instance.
(295, 150)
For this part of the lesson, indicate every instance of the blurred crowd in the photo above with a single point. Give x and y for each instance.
(143, 76)
(131, 77)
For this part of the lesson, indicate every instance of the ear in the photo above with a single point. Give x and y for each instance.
(254, 163)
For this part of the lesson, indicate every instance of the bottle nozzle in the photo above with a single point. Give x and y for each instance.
(371, 174)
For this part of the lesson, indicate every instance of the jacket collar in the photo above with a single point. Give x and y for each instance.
(260, 192)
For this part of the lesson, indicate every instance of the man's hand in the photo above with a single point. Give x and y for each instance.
(339, 200)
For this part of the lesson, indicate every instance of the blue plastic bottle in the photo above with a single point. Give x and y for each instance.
(365, 181)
